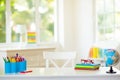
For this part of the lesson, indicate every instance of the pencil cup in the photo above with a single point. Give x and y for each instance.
(17, 66)
(13, 67)
(7, 68)
(22, 66)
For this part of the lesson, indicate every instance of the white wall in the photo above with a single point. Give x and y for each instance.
(84, 26)
(66, 25)
(78, 26)
(69, 28)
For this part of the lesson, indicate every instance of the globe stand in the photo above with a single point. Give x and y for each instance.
(111, 71)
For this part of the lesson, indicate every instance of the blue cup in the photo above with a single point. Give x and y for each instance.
(22, 66)
(13, 67)
(17, 66)
(7, 68)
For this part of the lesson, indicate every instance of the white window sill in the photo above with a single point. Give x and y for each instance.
(27, 47)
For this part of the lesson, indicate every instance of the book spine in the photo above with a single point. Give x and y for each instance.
(91, 53)
(86, 66)
(86, 69)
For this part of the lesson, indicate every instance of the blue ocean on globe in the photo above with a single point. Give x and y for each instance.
(110, 55)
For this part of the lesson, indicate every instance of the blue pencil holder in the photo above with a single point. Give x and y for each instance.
(13, 67)
(17, 66)
(21, 66)
(7, 68)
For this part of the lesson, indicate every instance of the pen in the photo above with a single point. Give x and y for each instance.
(16, 54)
(29, 71)
(13, 59)
(4, 59)
(17, 59)
(8, 59)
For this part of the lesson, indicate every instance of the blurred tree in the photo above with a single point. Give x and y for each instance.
(23, 17)
(2, 22)
(47, 23)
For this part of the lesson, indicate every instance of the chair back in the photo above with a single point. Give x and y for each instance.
(68, 57)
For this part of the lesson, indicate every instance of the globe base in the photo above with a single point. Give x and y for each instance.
(111, 71)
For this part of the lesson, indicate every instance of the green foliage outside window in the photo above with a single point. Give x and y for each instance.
(26, 17)
(47, 24)
(2, 21)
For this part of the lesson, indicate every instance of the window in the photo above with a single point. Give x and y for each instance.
(108, 19)
(27, 21)
(2, 21)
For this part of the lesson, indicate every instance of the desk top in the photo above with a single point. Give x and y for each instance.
(53, 72)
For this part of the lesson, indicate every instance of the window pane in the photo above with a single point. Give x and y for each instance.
(117, 5)
(101, 20)
(109, 19)
(100, 6)
(105, 33)
(105, 19)
(117, 18)
(46, 11)
(2, 22)
(109, 33)
(22, 19)
(117, 33)
(109, 5)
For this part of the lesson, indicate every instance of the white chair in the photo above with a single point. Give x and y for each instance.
(69, 57)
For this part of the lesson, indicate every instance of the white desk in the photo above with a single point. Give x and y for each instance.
(63, 74)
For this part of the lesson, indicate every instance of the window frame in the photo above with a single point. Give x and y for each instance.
(8, 29)
(96, 22)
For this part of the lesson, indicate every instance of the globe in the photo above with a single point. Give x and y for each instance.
(110, 53)
(111, 58)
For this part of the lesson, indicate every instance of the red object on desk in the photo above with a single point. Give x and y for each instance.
(26, 71)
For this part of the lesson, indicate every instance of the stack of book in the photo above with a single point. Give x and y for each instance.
(87, 66)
